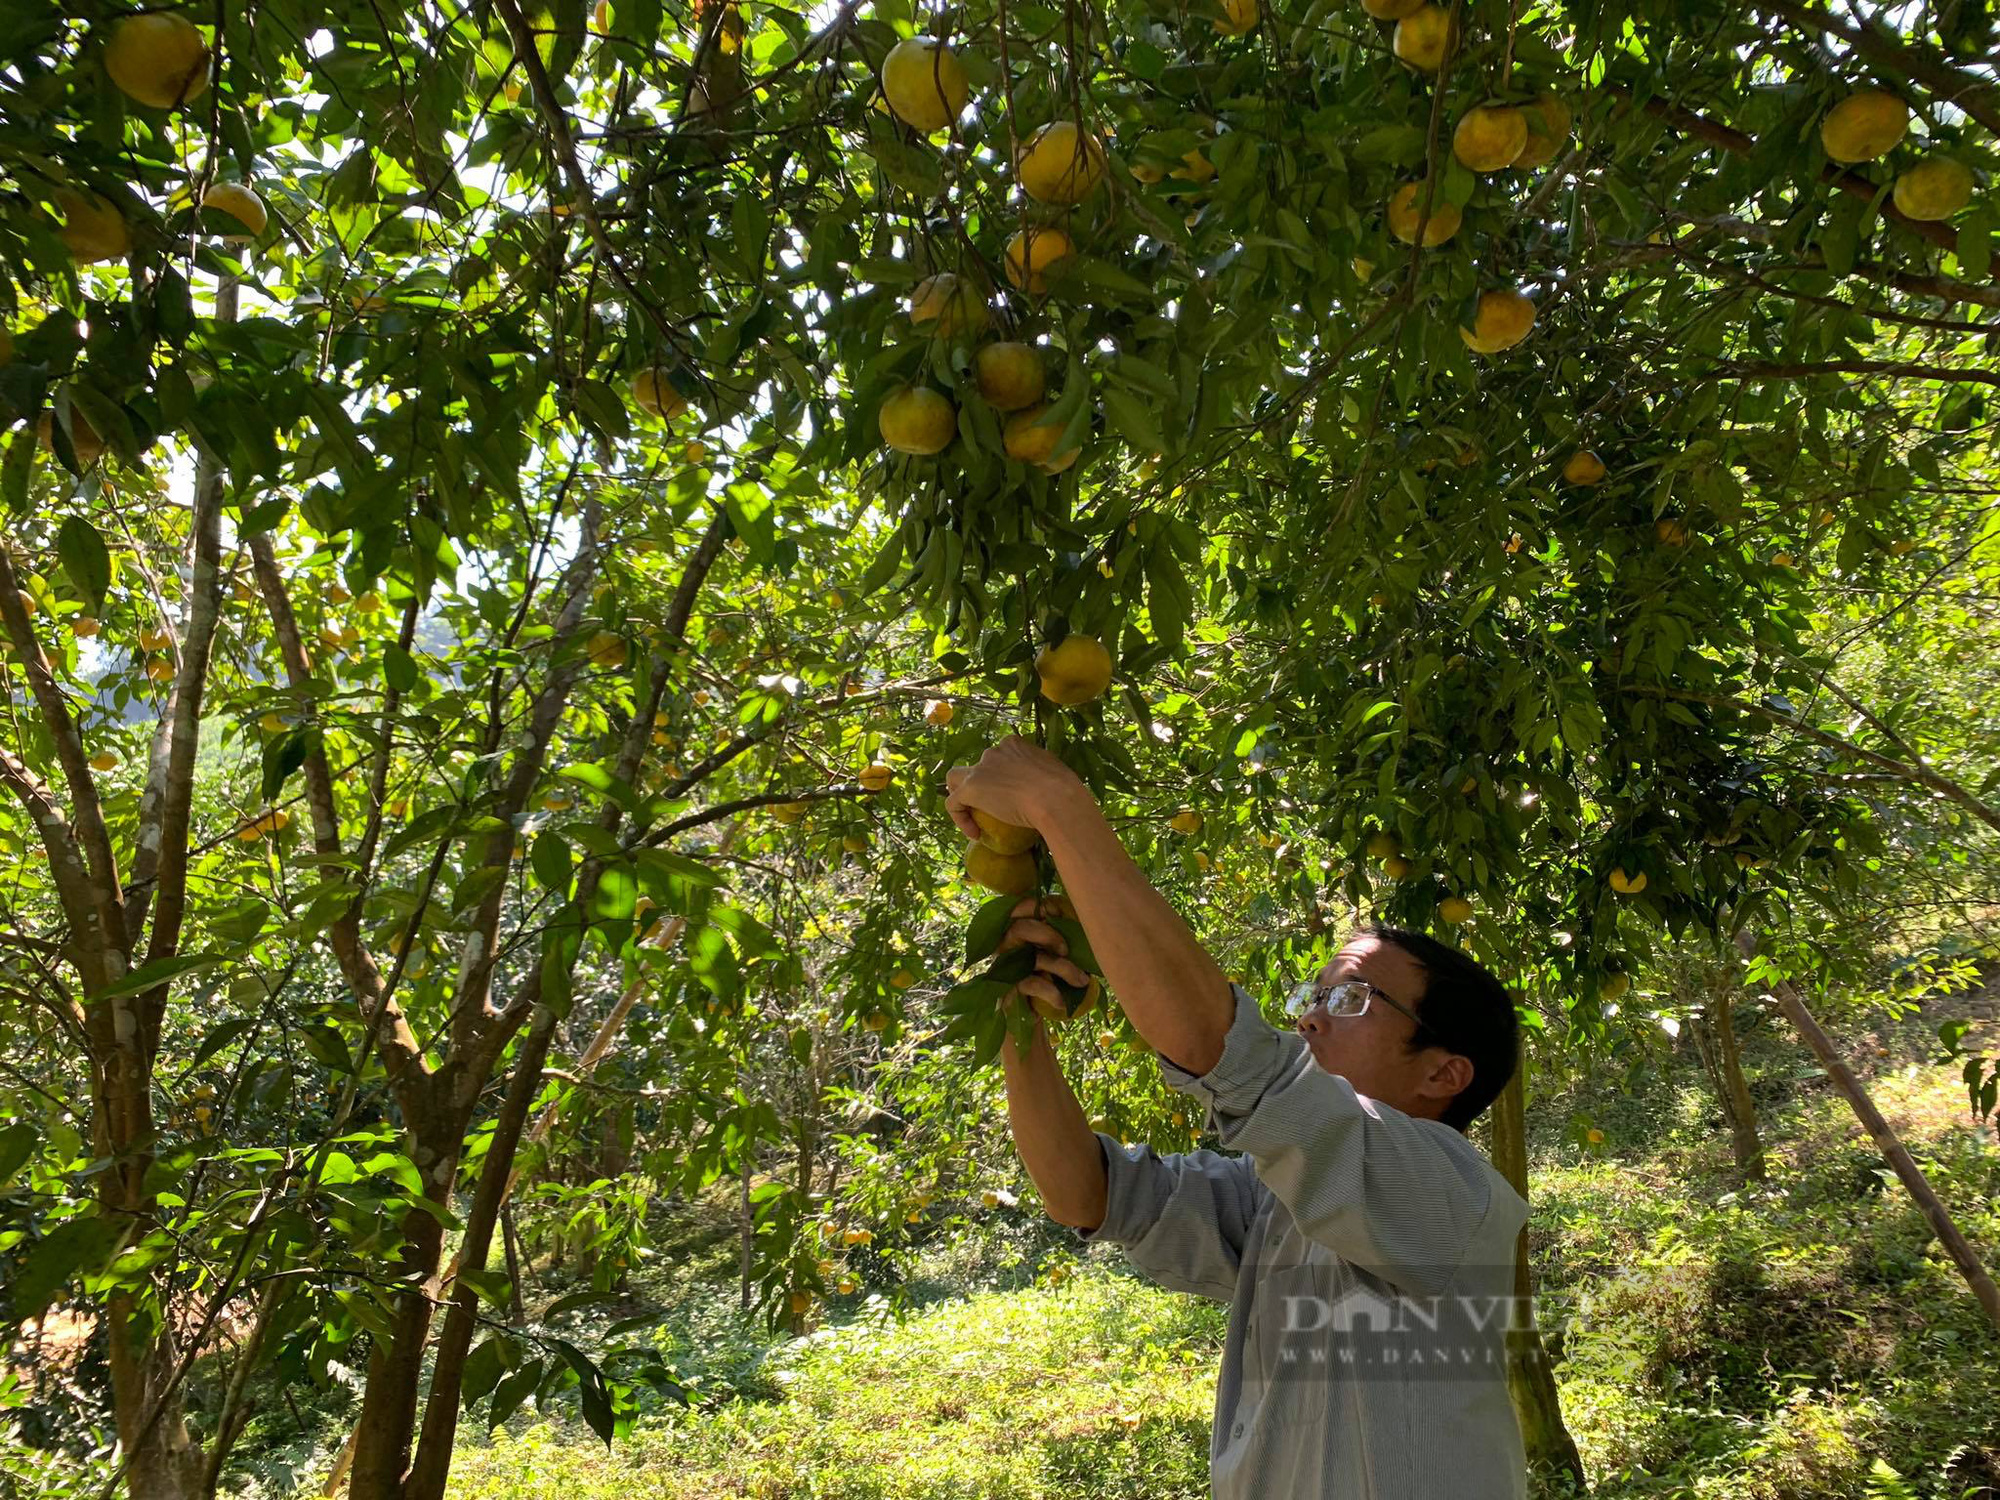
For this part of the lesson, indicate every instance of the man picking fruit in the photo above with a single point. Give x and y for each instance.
(1365, 1247)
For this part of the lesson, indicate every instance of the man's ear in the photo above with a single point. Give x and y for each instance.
(1451, 1077)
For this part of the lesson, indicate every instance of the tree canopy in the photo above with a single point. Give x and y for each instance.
(528, 560)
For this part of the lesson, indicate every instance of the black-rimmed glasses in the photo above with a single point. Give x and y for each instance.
(1344, 997)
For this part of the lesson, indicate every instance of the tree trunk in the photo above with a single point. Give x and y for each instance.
(432, 1463)
(1531, 1382)
(746, 1245)
(510, 1240)
(382, 1446)
(1886, 1140)
(1737, 1103)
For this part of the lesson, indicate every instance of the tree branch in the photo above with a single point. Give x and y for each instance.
(471, 1007)
(1733, 140)
(579, 184)
(103, 918)
(178, 737)
(1760, 369)
(1919, 775)
(401, 1053)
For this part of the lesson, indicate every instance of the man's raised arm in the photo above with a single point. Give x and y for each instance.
(1175, 994)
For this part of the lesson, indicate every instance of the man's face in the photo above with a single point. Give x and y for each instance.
(1371, 1051)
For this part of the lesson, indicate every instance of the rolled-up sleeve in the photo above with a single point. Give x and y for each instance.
(1400, 1197)
(1183, 1218)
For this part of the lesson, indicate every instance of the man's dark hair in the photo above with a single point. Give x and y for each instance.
(1466, 1010)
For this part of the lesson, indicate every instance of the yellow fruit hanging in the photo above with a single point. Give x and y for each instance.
(1934, 189)
(1032, 254)
(924, 83)
(1010, 376)
(917, 420)
(92, 228)
(1864, 126)
(158, 59)
(947, 304)
(1490, 138)
(1424, 37)
(1033, 441)
(1074, 670)
(656, 395)
(241, 204)
(1060, 163)
(1238, 17)
(1549, 121)
(1406, 211)
(1584, 469)
(1501, 320)
(83, 439)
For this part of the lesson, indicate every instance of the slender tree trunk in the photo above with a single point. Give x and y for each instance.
(1741, 1108)
(1886, 1140)
(746, 1242)
(382, 1447)
(1531, 1382)
(510, 1240)
(440, 1427)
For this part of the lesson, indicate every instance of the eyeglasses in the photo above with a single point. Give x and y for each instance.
(1346, 997)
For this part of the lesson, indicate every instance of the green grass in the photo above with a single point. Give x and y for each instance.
(1017, 1395)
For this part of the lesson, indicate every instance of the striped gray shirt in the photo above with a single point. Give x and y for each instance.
(1368, 1261)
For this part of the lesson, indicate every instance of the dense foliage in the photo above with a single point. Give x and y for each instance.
(464, 600)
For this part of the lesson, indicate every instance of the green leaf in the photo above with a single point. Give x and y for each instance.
(484, 1367)
(75, 1247)
(602, 782)
(284, 755)
(1975, 243)
(1074, 938)
(603, 408)
(399, 668)
(616, 894)
(158, 971)
(672, 879)
(987, 928)
(1106, 277)
(883, 568)
(593, 1388)
(1133, 418)
(512, 1391)
(551, 860)
(17, 1144)
(86, 560)
(173, 305)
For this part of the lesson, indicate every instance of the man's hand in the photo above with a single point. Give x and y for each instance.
(1029, 928)
(1015, 781)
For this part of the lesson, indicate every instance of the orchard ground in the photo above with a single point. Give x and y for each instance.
(1805, 1339)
